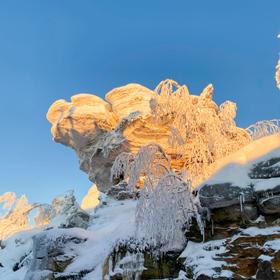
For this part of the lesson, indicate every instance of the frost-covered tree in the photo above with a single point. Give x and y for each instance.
(166, 206)
(264, 128)
(149, 164)
(200, 131)
(121, 167)
(165, 212)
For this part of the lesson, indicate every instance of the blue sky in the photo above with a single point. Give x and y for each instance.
(54, 49)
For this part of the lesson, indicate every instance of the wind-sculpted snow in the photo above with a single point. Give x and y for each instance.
(192, 129)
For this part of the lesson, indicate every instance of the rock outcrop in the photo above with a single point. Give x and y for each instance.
(53, 251)
(65, 212)
(132, 116)
(251, 176)
(242, 226)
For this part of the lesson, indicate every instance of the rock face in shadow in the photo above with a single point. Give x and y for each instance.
(128, 261)
(224, 195)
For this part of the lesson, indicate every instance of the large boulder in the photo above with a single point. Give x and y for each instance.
(224, 195)
(53, 250)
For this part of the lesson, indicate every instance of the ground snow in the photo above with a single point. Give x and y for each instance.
(200, 256)
(15, 247)
(254, 231)
(267, 184)
(110, 224)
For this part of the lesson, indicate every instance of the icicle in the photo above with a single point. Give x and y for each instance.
(212, 227)
(241, 201)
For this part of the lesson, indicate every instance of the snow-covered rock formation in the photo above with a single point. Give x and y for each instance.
(18, 215)
(149, 150)
(251, 174)
(192, 129)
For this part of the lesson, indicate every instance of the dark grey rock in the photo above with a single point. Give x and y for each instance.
(264, 271)
(224, 195)
(266, 169)
(268, 200)
(121, 192)
(270, 205)
(49, 254)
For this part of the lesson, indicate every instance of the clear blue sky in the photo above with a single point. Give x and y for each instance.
(54, 49)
